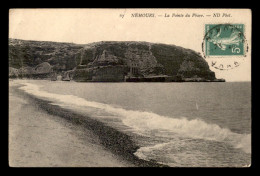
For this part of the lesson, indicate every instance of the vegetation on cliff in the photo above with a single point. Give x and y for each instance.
(106, 60)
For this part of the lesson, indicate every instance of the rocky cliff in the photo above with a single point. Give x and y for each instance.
(106, 61)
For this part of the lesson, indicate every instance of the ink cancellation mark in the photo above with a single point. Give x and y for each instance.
(224, 45)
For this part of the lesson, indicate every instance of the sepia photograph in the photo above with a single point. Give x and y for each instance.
(114, 87)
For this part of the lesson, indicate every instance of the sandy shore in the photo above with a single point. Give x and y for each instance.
(39, 139)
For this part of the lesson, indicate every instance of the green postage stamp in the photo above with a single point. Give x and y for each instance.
(224, 40)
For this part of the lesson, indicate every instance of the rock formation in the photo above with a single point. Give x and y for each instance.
(42, 68)
(107, 61)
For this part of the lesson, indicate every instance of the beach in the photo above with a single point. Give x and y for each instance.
(58, 124)
(39, 139)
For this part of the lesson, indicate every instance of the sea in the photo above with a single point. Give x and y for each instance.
(205, 124)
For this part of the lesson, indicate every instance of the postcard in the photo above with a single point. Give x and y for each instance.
(129, 87)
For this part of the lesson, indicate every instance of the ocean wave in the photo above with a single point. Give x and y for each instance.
(146, 122)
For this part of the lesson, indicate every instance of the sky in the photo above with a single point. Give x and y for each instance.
(83, 26)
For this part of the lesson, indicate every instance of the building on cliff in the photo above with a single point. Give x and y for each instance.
(134, 69)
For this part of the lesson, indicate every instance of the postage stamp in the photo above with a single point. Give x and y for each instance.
(224, 40)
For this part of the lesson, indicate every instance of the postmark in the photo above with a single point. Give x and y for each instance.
(224, 45)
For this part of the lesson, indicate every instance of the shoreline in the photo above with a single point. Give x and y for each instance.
(117, 143)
